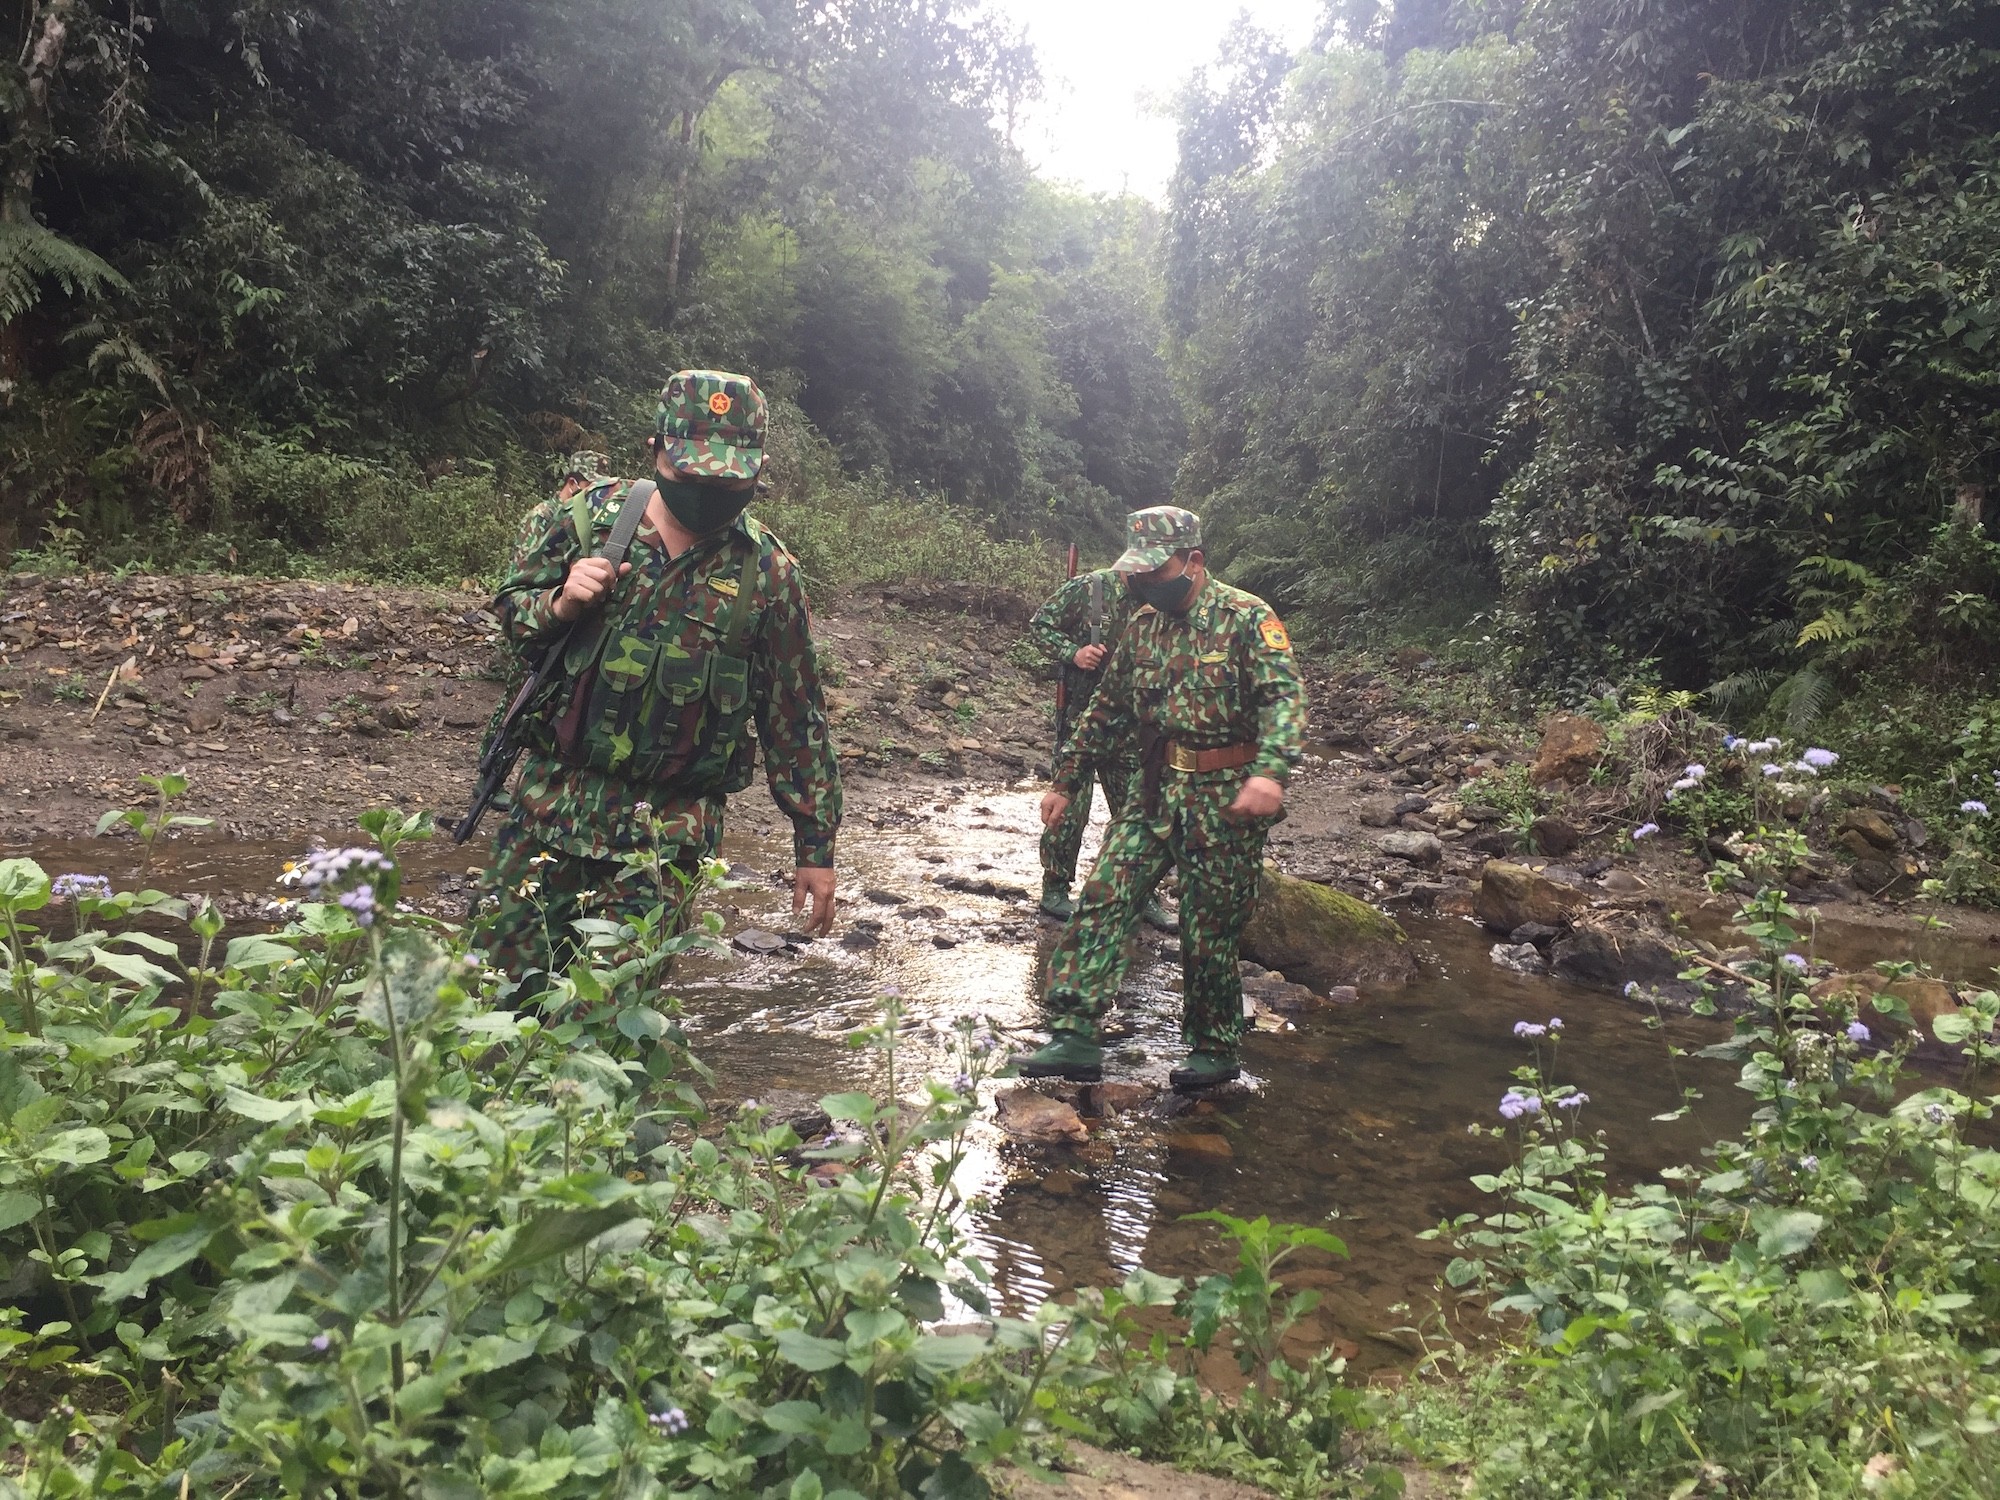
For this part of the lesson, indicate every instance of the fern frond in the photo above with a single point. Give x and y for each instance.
(1834, 625)
(31, 256)
(1802, 697)
(1742, 690)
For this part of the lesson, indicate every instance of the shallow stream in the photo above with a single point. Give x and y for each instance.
(1360, 1117)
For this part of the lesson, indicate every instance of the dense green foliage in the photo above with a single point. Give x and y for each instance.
(1664, 328)
(1813, 1311)
(266, 270)
(312, 1212)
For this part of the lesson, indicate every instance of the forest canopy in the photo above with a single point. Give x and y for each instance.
(1621, 341)
(1663, 330)
(251, 252)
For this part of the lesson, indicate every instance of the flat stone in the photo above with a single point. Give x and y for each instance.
(1029, 1115)
(1518, 958)
(1874, 829)
(1534, 933)
(1511, 896)
(1624, 883)
(1417, 848)
(1201, 1146)
(1119, 1098)
(1609, 958)
(757, 940)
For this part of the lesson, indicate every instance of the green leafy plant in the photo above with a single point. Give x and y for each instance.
(150, 823)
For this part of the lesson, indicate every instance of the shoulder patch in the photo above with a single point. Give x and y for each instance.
(1273, 631)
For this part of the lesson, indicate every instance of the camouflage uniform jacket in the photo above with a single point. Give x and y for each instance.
(588, 813)
(1221, 673)
(1061, 627)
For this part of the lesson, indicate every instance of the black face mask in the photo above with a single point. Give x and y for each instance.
(702, 508)
(1169, 597)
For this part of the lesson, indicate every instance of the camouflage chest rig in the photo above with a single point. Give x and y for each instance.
(662, 697)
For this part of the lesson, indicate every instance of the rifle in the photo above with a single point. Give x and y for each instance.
(503, 749)
(1062, 675)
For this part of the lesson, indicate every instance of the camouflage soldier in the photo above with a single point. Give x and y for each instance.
(1063, 627)
(1204, 682)
(676, 654)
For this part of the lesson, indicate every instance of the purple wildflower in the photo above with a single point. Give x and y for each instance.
(1856, 1032)
(1794, 961)
(1514, 1104)
(1937, 1114)
(328, 868)
(1809, 1163)
(1695, 772)
(1820, 760)
(673, 1421)
(1644, 831)
(1731, 741)
(361, 903)
(1773, 770)
(1529, 1029)
(1685, 784)
(1631, 988)
(1555, 1023)
(76, 887)
(962, 1083)
(1573, 1101)
(1974, 806)
(322, 1342)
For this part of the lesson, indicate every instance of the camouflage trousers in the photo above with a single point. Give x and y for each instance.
(1219, 863)
(537, 894)
(1061, 843)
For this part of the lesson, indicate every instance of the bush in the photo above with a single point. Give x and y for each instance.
(309, 1213)
(1815, 1311)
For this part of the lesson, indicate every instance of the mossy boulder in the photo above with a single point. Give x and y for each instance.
(1322, 937)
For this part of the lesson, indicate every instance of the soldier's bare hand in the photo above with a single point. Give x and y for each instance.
(1054, 805)
(1089, 658)
(590, 579)
(1260, 797)
(818, 884)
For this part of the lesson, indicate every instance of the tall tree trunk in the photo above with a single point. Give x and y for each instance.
(28, 137)
(681, 177)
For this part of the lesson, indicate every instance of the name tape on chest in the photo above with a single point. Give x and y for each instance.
(1274, 635)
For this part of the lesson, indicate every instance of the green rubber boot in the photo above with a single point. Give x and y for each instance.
(1156, 915)
(1056, 902)
(1204, 1070)
(1070, 1056)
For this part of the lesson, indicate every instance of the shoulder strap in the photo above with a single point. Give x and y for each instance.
(736, 635)
(630, 514)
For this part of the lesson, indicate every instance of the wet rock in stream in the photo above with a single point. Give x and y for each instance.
(1324, 937)
(1512, 896)
(1030, 1115)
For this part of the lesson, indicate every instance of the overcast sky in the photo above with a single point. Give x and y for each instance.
(1106, 61)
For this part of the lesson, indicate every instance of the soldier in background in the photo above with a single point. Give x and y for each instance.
(677, 653)
(1078, 626)
(1204, 683)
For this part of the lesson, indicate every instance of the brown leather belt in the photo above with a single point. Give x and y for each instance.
(1181, 758)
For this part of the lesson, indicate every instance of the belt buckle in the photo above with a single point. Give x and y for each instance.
(1181, 758)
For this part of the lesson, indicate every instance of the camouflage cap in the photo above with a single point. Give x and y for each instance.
(711, 424)
(586, 464)
(1155, 534)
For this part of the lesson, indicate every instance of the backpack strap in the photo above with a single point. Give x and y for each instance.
(630, 514)
(736, 635)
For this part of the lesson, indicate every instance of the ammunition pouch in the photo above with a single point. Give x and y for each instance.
(646, 709)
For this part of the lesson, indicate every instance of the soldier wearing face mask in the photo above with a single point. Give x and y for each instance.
(1204, 683)
(669, 661)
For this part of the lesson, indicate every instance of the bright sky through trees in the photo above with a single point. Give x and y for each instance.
(1112, 67)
